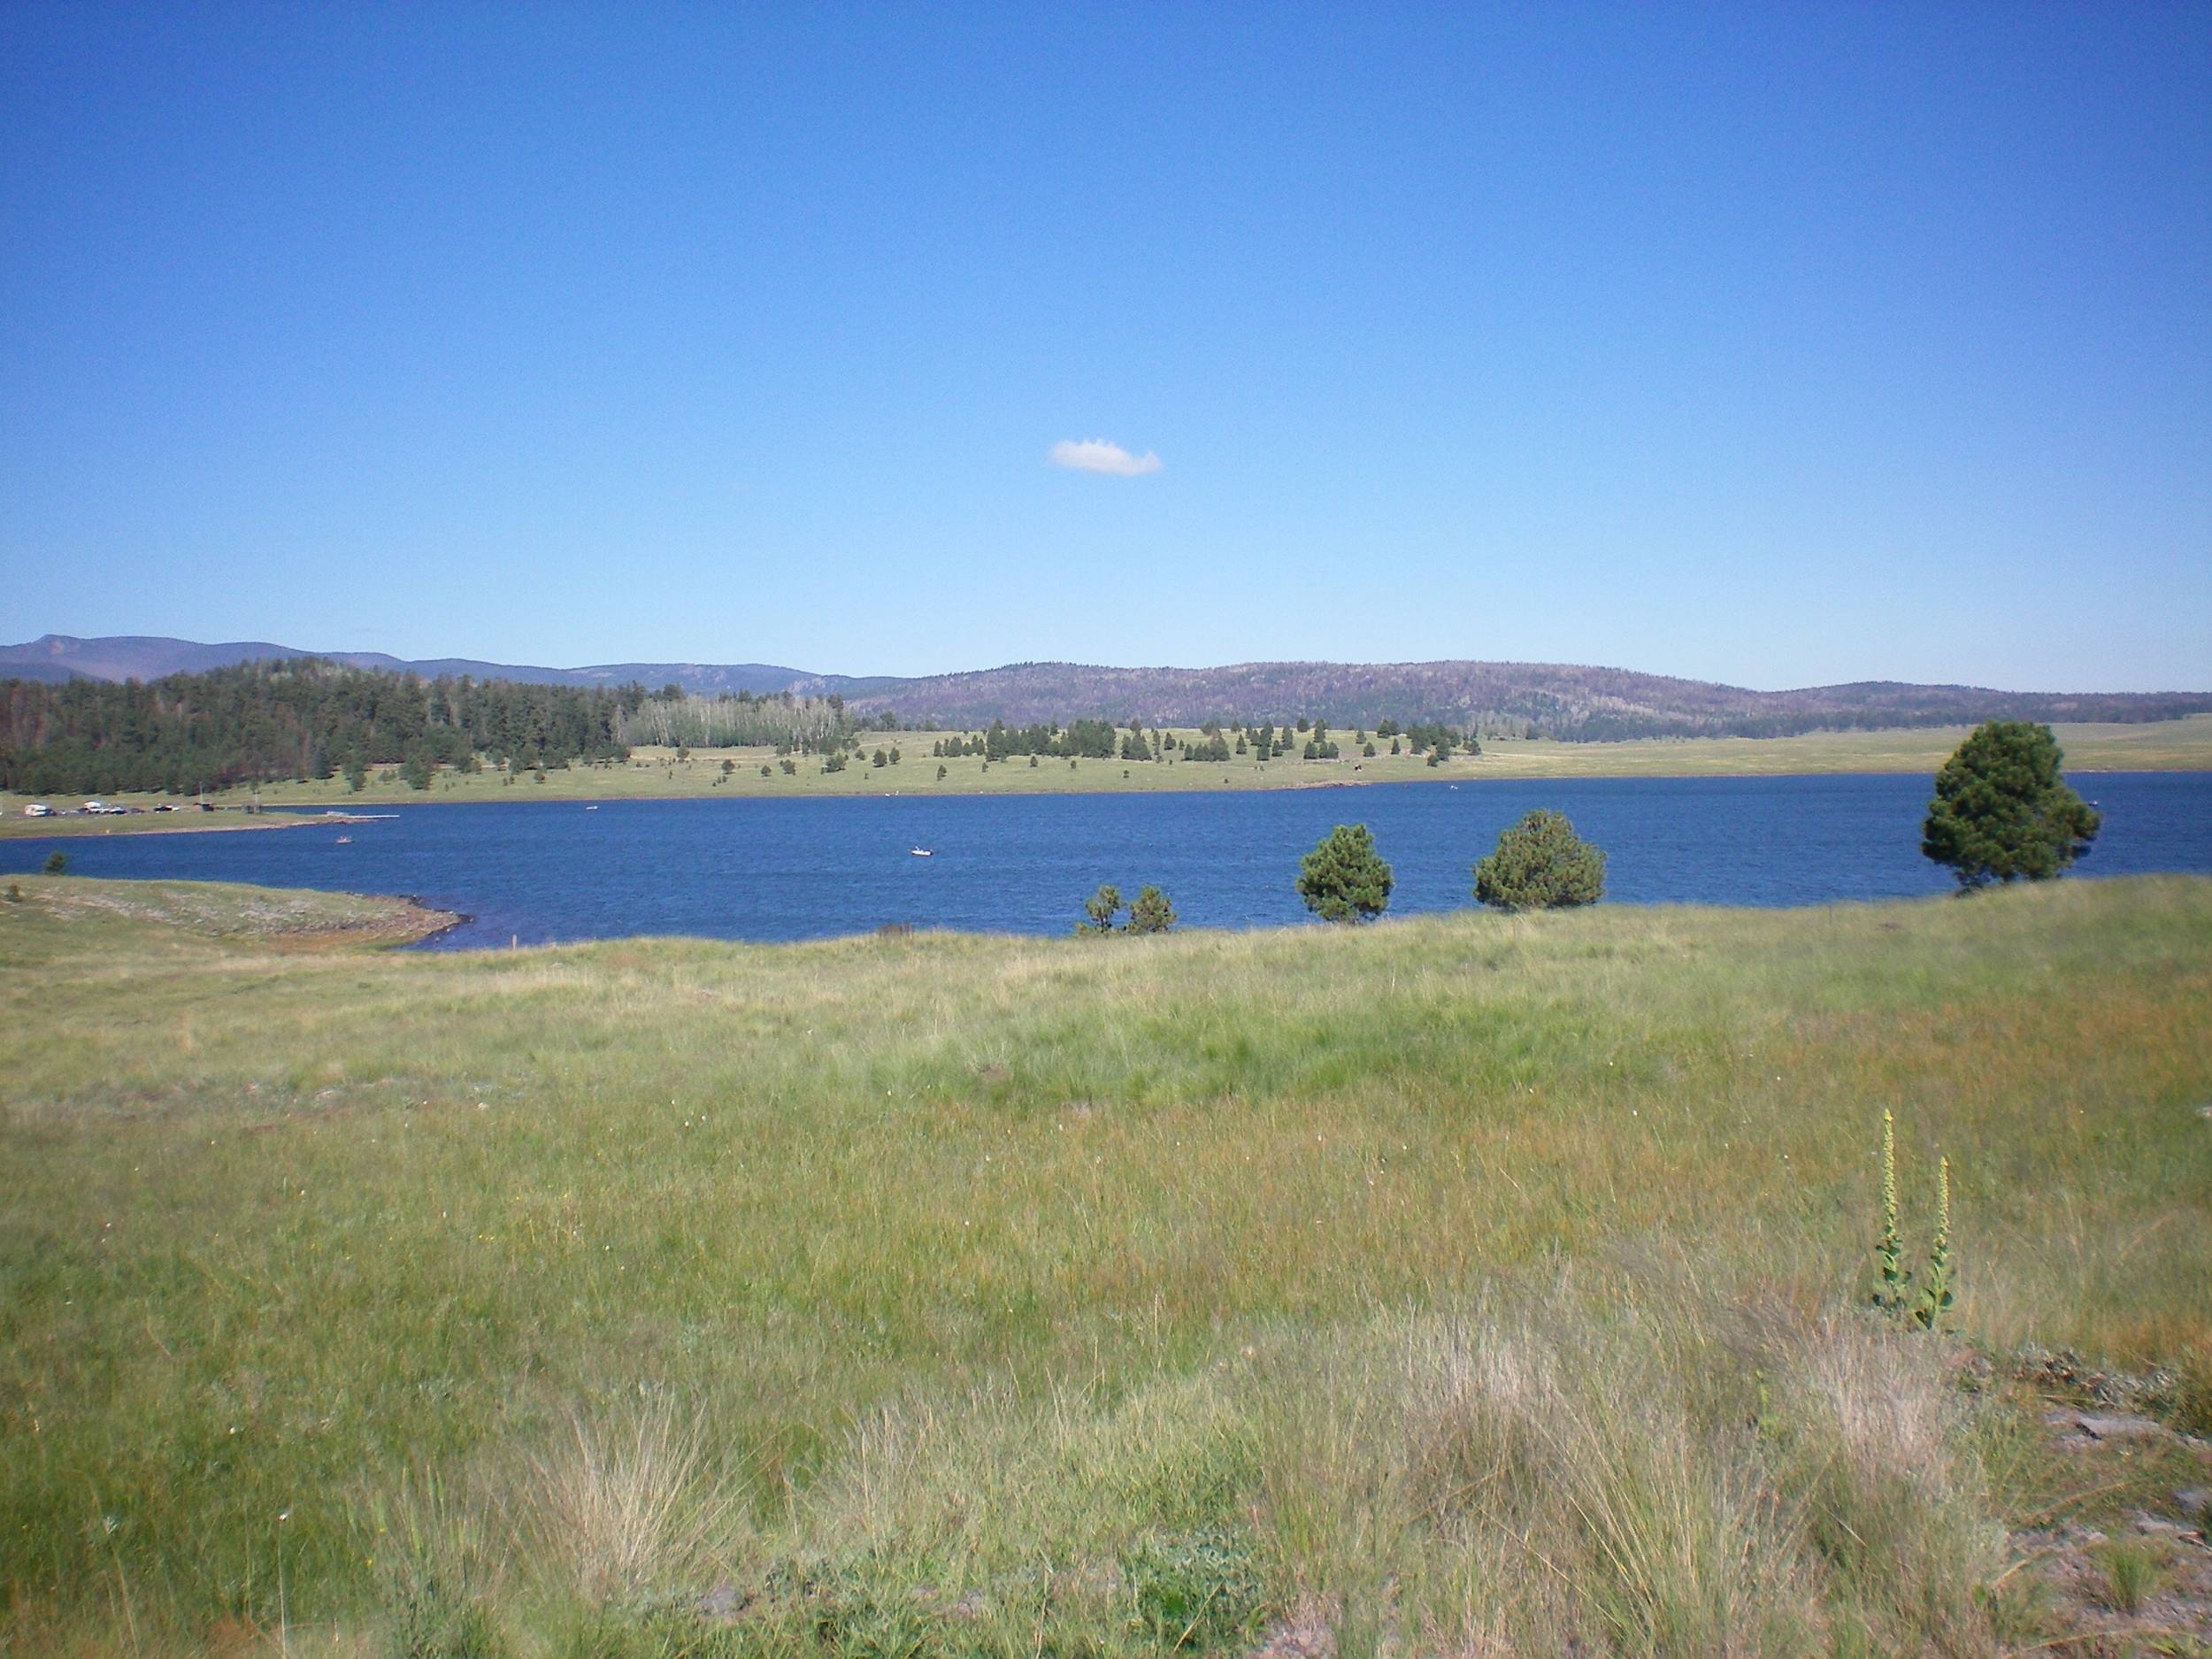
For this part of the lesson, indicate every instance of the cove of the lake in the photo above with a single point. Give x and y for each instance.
(754, 869)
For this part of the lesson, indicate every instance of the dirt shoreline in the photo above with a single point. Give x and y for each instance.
(76, 828)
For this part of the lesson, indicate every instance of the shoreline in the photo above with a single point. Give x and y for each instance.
(434, 922)
(74, 827)
(2182, 745)
(301, 819)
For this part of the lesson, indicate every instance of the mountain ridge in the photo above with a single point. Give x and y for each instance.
(1500, 698)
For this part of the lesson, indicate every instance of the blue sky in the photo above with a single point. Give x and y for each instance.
(1779, 346)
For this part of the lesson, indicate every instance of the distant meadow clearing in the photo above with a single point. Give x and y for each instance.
(1455, 1281)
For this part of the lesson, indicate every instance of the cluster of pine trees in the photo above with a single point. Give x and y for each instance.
(1104, 739)
(1080, 740)
(266, 722)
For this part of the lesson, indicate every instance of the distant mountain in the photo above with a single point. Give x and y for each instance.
(60, 656)
(1522, 699)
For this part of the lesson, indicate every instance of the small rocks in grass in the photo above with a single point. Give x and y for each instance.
(2195, 1501)
(722, 1604)
(2123, 1427)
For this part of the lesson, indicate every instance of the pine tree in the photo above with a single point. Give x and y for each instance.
(1099, 911)
(1151, 913)
(1540, 864)
(2002, 812)
(1343, 880)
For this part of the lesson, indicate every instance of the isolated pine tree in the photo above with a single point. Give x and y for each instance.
(1540, 864)
(2002, 810)
(1343, 880)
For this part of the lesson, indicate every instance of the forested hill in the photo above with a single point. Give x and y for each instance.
(1507, 699)
(263, 722)
(1504, 699)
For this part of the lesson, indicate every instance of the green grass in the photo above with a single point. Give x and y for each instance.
(1460, 1280)
(2184, 745)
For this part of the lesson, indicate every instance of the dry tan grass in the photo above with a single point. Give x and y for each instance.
(628, 1499)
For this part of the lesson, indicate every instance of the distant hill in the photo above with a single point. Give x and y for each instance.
(58, 657)
(1518, 699)
(1523, 699)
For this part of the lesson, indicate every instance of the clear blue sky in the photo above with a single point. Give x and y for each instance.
(1773, 345)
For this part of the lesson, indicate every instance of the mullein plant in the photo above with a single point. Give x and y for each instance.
(1935, 1294)
(1892, 1278)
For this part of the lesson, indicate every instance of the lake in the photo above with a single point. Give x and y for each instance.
(783, 870)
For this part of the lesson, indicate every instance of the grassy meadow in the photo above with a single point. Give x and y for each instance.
(2184, 745)
(1473, 1284)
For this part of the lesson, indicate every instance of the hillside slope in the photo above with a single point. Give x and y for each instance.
(1510, 699)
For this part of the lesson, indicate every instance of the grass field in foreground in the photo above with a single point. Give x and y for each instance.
(2183, 745)
(1463, 1284)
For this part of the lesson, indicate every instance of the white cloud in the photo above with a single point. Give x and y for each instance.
(1095, 455)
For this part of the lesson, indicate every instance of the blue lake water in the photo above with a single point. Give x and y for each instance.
(781, 870)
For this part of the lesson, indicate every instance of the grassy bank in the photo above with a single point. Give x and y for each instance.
(1463, 1284)
(2168, 746)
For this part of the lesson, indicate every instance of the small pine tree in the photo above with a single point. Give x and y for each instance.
(1343, 880)
(56, 863)
(1099, 911)
(1151, 913)
(1540, 864)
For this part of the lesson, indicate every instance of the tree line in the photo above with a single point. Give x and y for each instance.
(260, 723)
(1107, 739)
(675, 719)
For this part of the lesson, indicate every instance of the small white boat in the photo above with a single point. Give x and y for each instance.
(591, 809)
(922, 852)
(344, 840)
